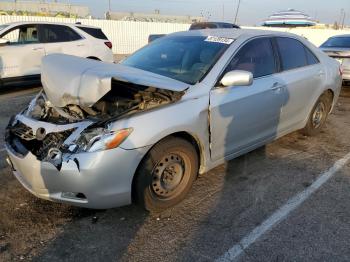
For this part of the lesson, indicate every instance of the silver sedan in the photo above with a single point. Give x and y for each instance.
(104, 135)
(338, 47)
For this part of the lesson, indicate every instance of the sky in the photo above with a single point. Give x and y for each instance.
(252, 12)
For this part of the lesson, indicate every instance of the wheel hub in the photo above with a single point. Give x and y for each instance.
(318, 115)
(167, 175)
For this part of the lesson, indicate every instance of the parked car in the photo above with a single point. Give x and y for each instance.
(199, 26)
(212, 25)
(338, 47)
(24, 44)
(103, 135)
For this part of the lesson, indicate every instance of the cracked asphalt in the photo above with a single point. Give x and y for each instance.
(224, 205)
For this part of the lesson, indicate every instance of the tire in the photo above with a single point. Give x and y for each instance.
(166, 174)
(318, 115)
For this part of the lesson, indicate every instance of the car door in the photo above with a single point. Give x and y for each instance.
(242, 117)
(63, 39)
(303, 75)
(22, 55)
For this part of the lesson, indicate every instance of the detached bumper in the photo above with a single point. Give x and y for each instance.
(93, 180)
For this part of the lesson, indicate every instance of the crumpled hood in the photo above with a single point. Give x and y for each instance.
(73, 80)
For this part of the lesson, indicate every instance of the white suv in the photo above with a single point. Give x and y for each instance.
(23, 44)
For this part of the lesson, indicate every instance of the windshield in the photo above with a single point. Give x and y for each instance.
(343, 42)
(185, 58)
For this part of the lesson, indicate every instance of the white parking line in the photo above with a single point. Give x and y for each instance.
(237, 250)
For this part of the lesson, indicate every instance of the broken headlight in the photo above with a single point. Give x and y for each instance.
(100, 139)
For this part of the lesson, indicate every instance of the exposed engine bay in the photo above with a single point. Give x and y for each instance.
(124, 98)
(49, 132)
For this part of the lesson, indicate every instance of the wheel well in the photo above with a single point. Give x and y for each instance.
(329, 93)
(184, 135)
(93, 58)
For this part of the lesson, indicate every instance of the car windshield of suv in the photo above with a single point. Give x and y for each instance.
(184, 58)
(342, 42)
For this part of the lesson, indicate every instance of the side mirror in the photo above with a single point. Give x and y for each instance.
(237, 78)
(4, 41)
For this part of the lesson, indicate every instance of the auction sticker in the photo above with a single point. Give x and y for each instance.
(222, 40)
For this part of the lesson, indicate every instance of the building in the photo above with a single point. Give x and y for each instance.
(289, 18)
(43, 9)
(156, 17)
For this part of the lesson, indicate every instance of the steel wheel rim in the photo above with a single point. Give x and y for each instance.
(168, 176)
(318, 115)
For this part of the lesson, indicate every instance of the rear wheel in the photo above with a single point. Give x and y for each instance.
(166, 174)
(318, 116)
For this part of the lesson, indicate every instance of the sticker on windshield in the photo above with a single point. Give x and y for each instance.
(222, 40)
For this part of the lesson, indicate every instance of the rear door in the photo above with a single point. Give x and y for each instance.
(22, 55)
(303, 75)
(242, 117)
(62, 39)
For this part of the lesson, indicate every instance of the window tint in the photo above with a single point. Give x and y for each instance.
(311, 58)
(256, 57)
(292, 53)
(95, 32)
(58, 33)
(340, 41)
(27, 34)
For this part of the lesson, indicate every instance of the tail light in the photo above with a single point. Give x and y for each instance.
(109, 44)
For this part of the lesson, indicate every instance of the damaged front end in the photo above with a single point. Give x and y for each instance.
(55, 134)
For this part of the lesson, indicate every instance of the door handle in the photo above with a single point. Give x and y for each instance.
(37, 48)
(81, 45)
(277, 86)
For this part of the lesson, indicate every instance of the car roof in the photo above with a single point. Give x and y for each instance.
(346, 35)
(49, 23)
(233, 33)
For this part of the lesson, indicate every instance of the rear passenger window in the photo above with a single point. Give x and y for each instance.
(58, 33)
(292, 53)
(256, 56)
(95, 32)
(311, 58)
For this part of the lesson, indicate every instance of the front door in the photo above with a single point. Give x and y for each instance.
(244, 116)
(22, 55)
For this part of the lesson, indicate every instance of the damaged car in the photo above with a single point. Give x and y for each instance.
(105, 135)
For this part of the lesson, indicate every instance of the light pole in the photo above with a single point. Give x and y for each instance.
(237, 10)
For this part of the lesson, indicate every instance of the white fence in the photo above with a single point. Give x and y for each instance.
(128, 36)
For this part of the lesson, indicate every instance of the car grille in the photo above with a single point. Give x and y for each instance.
(22, 131)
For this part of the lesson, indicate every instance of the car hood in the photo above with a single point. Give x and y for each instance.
(73, 80)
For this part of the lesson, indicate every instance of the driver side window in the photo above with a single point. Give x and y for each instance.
(256, 56)
(27, 34)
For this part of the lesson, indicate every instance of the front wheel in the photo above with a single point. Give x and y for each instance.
(166, 174)
(318, 116)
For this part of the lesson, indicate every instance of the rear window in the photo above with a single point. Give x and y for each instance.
(94, 32)
(58, 33)
(292, 53)
(203, 26)
(342, 42)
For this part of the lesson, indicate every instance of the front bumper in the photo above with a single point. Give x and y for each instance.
(103, 178)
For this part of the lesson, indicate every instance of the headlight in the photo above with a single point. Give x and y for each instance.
(101, 139)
